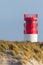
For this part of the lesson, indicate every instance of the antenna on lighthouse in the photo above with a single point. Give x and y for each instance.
(31, 27)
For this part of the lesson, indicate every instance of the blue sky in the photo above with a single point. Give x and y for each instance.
(11, 18)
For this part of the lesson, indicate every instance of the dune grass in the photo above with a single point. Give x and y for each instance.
(24, 50)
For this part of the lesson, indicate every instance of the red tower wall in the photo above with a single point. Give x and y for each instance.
(31, 25)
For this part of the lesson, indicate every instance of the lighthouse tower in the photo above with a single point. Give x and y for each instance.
(31, 27)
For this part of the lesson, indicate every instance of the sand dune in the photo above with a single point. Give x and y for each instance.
(21, 53)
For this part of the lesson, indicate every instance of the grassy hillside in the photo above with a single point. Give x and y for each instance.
(23, 50)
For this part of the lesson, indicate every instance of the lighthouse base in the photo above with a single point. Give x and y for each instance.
(31, 37)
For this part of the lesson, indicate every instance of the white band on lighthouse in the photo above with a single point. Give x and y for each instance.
(31, 37)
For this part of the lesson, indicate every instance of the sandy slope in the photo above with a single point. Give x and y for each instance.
(21, 53)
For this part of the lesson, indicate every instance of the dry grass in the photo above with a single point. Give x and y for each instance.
(24, 50)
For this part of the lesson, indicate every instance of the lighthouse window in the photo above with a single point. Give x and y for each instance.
(29, 22)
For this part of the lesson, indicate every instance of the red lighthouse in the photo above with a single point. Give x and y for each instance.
(31, 27)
